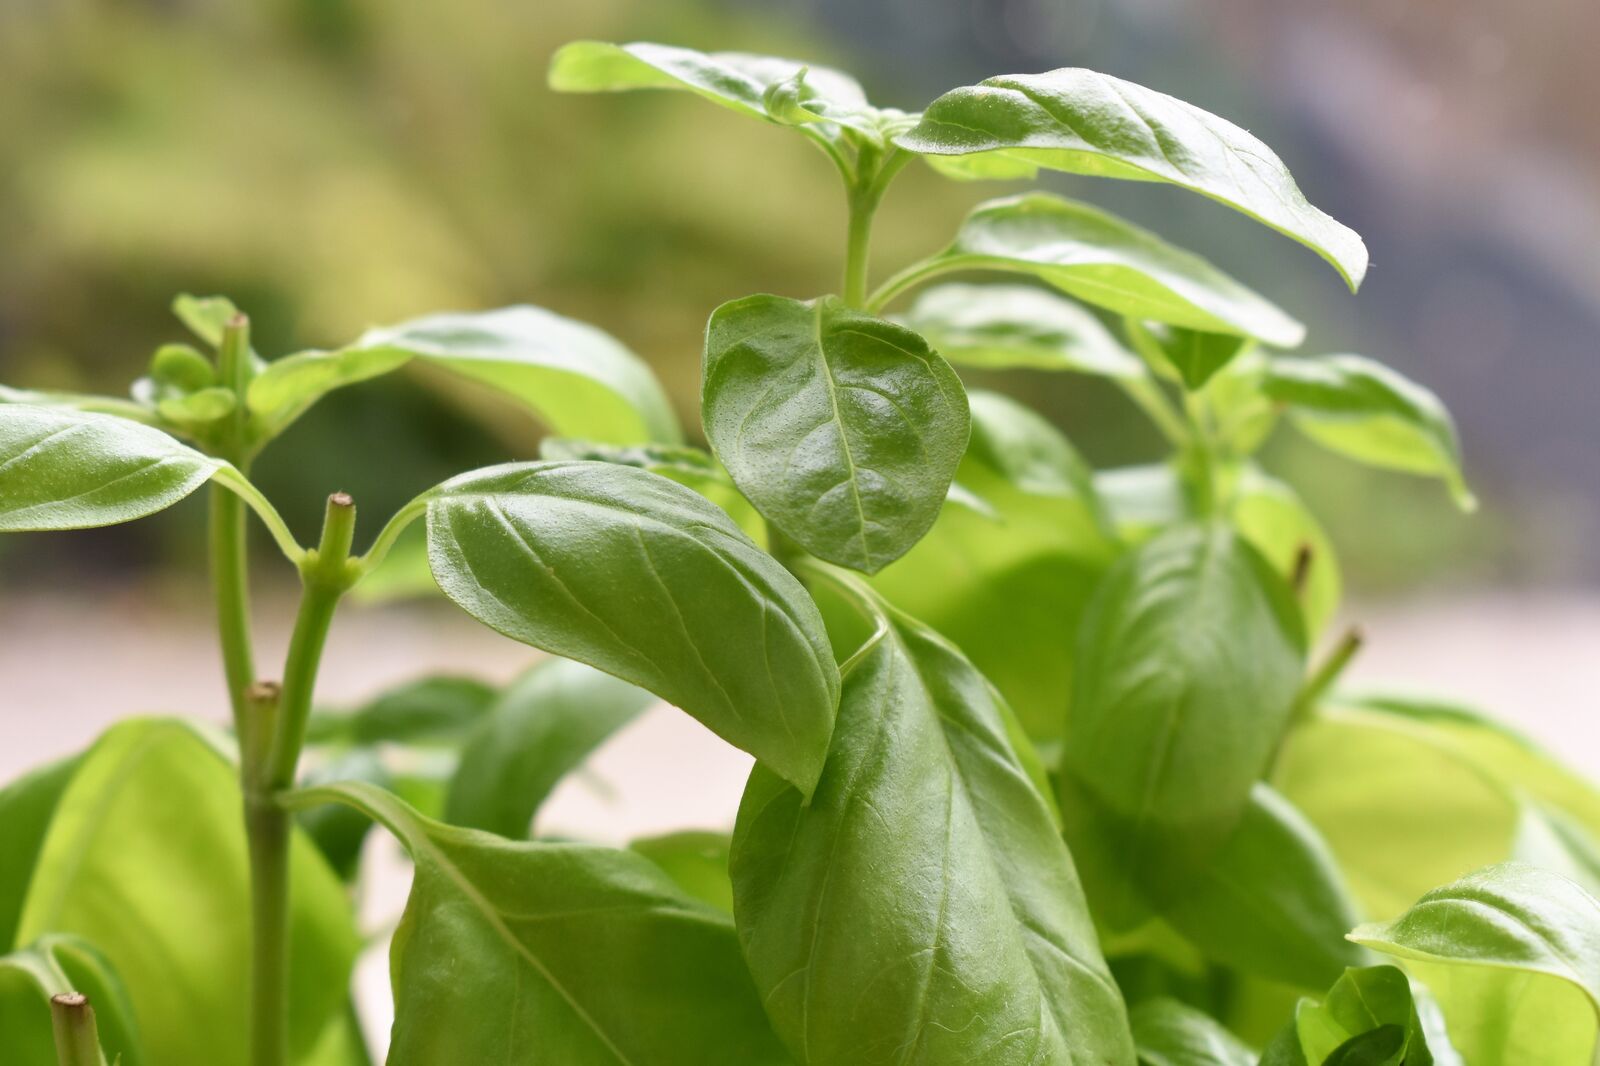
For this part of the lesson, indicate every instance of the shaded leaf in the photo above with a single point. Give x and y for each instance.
(437, 708)
(1169, 1033)
(1194, 355)
(697, 860)
(1004, 326)
(27, 806)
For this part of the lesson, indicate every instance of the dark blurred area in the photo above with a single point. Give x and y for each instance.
(332, 164)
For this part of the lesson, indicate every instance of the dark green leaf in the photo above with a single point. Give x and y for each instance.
(430, 709)
(519, 953)
(580, 381)
(339, 832)
(51, 966)
(1169, 1033)
(1368, 1016)
(647, 580)
(1363, 409)
(844, 430)
(1084, 122)
(921, 908)
(696, 860)
(1194, 355)
(1512, 953)
(1003, 326)
(26, 807)
(544, 725)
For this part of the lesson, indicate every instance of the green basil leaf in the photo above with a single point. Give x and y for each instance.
(1272, 517)
(1084, 122)
(1101, 259)
(647, 580)
(51, 966)
(1193, 355)
(205, 316)
(429, 709)
(999, 327)
(574, 954)
(1007, 580)
(1272, 901)
(1550, 838)
(843, 429)
(1365, 1001)
(1512, 954)
(925, 878)
(1169, 1033)
(198, 408)
(65, 469)
(1188, 661)
(579, 380)
(1360, 408)
(697, 860)
(26, 807)
(147, 847)
(338, 832)
(80, 401)
(1142, 500)
(544, 725)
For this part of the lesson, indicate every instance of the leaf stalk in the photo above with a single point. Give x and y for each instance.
(77, 1038)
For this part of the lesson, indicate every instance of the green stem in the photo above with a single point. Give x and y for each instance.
(77, 1040)
(866, 193)
(1318, 684)
(1148, 397)
(230, 581)
(267, 830)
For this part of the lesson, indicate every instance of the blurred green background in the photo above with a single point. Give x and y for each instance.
(333, 164)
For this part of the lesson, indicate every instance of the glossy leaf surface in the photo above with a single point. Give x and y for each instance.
(542, 726)
(1170, 1033)
(579, 380)
(531, 953)
(65, 469)
(843, 429)
(999, 327)
(1101, 259)
(640, 577)
(921, 908)
(1084, 122)
(1370, 412)
(1512, 953)
(51, 966)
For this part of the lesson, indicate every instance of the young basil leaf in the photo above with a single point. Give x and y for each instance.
(998, 327)
(145, 848)
(1084, 122)
(1101, 259)
(543, 726)
(1194, 355)
(647, 580)
(519, 953)
(925, 880)
(1272, 901)
(207, 317)
(1512, 954)
(696, 860)
(579, 380)
(843, 429)
(1169, 1033)
(50, 966)
(1371, 1015)
(1272, 517)
(1358, 407)
(435, 709)
(1007, 569)
(65, 469)
(1188, 661)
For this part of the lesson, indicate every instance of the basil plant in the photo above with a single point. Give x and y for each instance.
(1052, 767)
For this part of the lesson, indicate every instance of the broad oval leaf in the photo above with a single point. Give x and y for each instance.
(1188, 662)
(1370, 412)
(542, 726)
(1084, 122)
(1512, 953)
(647, 580)
(1170, 1033)
(520, 953)
(51, 966)
(843, 429)
(146, 847)
(1000, 327)
(921, 908)
(66, 469)
(1101, 259)
(579, 380)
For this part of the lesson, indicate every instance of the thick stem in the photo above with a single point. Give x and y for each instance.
(267, 830)
(858, 248)
(77, 1040)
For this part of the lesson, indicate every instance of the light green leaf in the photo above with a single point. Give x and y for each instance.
(843, 429)
(146, 848)
(999, 327)
(80, 401)
(1142, 500)
(441, 708)
(1272, 901)
(647, 580)
(697, 860)
(1512, 953)
(1101, 259)
(26, 807)
(1084, 122)
(543, 726)
(578, 380)
(198, 408)
(1194, 356)
(1188, 661)
(51, 966)
(1007, 576)
(520, 953)
(1370, 1017)
(64, 469)
(1170, 1033)
(1272, 517)
(921, 908)
(206, 316)
(1358, 407)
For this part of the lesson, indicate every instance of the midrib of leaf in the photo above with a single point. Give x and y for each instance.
(853, 475)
